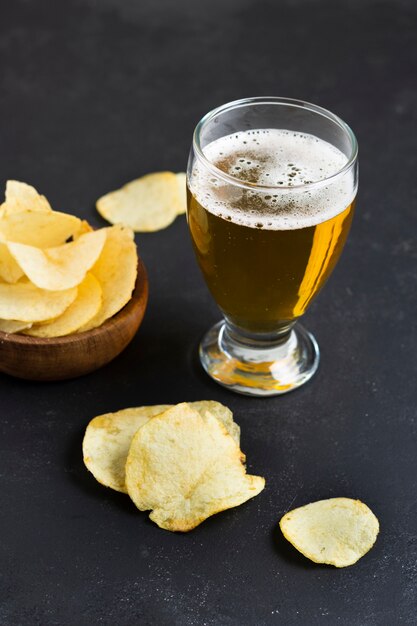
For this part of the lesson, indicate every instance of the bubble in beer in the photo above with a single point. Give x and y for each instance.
(267, 157)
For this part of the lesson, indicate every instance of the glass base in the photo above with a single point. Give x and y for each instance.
(259, 368)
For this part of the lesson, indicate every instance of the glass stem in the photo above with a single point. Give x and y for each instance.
(245, 338)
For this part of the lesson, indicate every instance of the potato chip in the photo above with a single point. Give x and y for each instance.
(338, 531)
(10, 271)
(13, 326)
(39, 228)
(182, 192)
(146, 204)
(107, 441)
(84, 228)
(186, 468)
(84, 308)
(116, 271)
(61, 267)
(22, 197)
(108, 437)
(222, 413)
(26, 302)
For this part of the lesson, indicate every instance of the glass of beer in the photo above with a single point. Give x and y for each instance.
(271, 194)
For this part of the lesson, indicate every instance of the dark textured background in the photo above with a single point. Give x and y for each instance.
(96, 92)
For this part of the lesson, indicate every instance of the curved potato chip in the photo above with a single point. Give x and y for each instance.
(116, 271)
(338, 531)
(146, 204)
(84, 307)
(84, 228)
(222, 413)
(26, 302)
(107, 441)
(39, 228)
(62, 267)
(186, 468)
(108, 437)
(21, 196)
(182, 192)
(10, 271)
(13, 326)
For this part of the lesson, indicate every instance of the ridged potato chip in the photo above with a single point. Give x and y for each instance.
(27, 303)
(39, 228)
(116, 271)
(22, 197)
(186, 468)
(61, 267)
(108, 437)
(84, 308)
(338, 531)
(146, 204)
(13, 326)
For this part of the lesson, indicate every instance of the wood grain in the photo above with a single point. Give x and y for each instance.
(60, 358)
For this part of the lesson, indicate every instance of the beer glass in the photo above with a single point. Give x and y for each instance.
(271, 186)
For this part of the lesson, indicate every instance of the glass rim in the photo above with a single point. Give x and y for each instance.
(276, 100)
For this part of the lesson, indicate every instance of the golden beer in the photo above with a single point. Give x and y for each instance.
(260, 276)
(266, 254)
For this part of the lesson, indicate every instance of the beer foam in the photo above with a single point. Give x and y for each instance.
(280, 159)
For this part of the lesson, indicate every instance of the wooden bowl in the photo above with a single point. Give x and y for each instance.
(60, 358)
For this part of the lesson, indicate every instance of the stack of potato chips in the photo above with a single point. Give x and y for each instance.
(57, 275)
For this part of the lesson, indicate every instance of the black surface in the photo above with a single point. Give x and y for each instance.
(94, 93)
